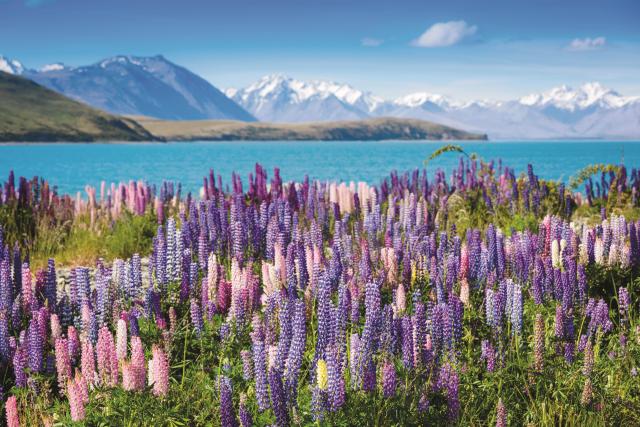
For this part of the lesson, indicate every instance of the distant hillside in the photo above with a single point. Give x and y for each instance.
(30, 112)
(149, 86)
(365, 130)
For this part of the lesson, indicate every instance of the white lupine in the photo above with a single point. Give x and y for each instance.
(555, 253)
(598, 250)
(121, 339)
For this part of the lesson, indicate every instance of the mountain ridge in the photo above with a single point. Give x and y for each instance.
(136, 85)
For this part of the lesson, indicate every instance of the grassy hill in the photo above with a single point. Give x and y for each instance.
(372, 129)
(30, 112)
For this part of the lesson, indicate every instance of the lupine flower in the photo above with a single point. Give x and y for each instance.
(501, 414)
(121, 340)
(11, 409)
(196, 317)
(63, 362)
(389, 381)
(227, 414)
(538, 343)
(278, 401)
(587, 392)
(160, 372)
(247, 364)
(76, 402)
(88, 364)
(588, 359)
(246, 420)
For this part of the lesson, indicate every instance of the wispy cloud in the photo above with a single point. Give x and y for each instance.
(588, 43)
(444, 34)
(371, 42)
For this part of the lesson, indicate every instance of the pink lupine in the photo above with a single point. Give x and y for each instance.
(121, 340)
(76, 403)
(56, 329)
(107, 359)
(160, 372)
(128, 376)
(87, 362)
(27, 291)
(63, 362)
(82, 387)
(86, 316)
(137, 365)
(11, 408)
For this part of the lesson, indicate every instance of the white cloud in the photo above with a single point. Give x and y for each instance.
(371, 42)
(587, 44)
(444, 34)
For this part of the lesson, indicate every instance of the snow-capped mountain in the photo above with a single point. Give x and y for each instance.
(279, 98)
(589, 111)
(11, 66)
(586, 96)
(148, 86)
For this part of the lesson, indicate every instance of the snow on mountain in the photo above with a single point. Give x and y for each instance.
(280, 98)
(148, 86)
(11, 66)
(591, 110)
(587, 95)
(420, 99)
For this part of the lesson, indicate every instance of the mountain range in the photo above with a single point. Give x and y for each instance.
(155, 87)
(589, 111)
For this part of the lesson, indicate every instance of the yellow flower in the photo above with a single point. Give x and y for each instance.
(321, 373)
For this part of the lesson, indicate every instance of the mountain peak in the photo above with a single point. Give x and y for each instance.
(419, 99)
(11, 66)
(566, 98)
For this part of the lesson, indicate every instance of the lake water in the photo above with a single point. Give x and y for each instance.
(71, 166)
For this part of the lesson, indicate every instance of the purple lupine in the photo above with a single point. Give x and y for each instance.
(296, 350)
(278, 400)
(35, 346)
(246, 420)
(196, 317)
(389, 380)
(623, 302)
(407, 342)
(260, 372)
(19, 365)
(227, 414)
(247, 364)
(489, 355)
(368, 341)
(336, 388)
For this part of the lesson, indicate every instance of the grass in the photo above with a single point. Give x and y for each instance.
(79, 244)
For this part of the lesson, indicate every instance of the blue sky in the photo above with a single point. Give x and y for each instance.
(464, 49)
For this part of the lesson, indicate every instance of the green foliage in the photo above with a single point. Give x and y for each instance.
(586, 172)
(450, 148)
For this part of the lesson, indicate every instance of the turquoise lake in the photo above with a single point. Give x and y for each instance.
(71, 166)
